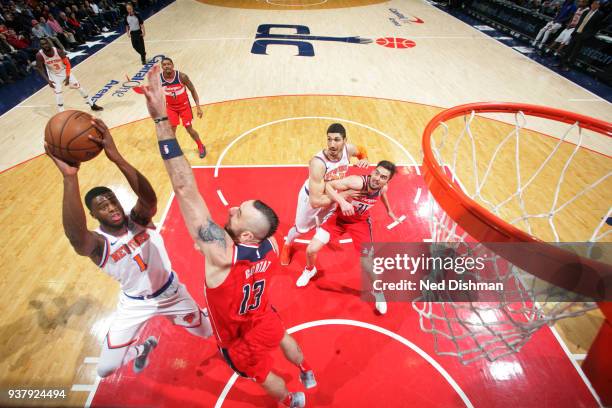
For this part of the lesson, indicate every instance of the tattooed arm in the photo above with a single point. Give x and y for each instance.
(210, 238)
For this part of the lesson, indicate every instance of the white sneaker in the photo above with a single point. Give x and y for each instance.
(298, 400)
(142, 361)
(381, 303)
(308, 379)
(305, 277)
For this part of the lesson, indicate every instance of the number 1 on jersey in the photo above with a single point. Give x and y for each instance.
(141, 263)
(258, 289)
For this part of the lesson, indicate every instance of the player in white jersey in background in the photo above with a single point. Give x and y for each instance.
(313, 206)
(130, 250)
(54, 66)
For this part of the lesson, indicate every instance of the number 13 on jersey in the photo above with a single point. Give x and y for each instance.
(257, 289)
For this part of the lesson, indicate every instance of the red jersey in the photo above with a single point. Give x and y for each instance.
(362, 204)
(242, 299)
(176, 92)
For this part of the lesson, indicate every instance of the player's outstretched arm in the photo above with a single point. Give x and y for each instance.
(146, 206)
(316, 184)
(360, 153)
(84, 242)
(196, 98)
(333, 189)
(210, 238)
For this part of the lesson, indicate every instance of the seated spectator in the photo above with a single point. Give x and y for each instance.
(67, 26)
(16, 40)
(93, 13)
(9, 71)
(564, 38)
(563, 16)
(23, 58)
(51, 33)
(57, 28)
(79, 14)
(38, 31)
(589, 24)
(110, 11)
(550, 7)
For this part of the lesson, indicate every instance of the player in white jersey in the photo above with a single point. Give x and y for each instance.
(130, 250)
(353, 218)
(313, 206)
(54, 66)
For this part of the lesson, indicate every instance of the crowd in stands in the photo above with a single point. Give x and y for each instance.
(67, 23)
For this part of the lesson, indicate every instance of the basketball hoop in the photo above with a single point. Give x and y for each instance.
(466, 207)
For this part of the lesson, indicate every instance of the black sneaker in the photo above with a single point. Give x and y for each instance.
(142, 360)
(203, 152)
(95, 107)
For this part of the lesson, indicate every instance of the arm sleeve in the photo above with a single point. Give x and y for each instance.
(66, 62)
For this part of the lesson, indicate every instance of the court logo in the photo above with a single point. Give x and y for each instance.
(129, 83)
(399, 19)
(300, 38)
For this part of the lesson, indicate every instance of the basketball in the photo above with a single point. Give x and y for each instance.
(66, 135)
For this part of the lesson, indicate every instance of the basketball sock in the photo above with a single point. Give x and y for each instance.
(291, 235)
(60, 108)
(59, 99)
(200, 145)
(304, 366)
(85, 96)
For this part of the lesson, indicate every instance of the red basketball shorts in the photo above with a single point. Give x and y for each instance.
(178, 114)
(360, 231)
(250, 355)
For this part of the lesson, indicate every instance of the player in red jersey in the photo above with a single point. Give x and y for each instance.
(240, 261)
(353, 218)
(175, 85)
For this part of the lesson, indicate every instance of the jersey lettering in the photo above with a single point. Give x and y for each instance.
(258, 290)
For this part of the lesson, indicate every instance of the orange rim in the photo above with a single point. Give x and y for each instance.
(580, 275)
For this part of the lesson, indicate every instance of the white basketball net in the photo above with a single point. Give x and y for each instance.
(475, 330)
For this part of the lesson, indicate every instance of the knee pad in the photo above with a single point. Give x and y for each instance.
(322, 235)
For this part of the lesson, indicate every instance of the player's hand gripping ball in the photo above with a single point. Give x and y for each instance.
(67, 136)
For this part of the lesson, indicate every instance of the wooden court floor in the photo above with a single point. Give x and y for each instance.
(57, 305)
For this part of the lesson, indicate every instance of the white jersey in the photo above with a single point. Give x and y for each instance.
(137, 259)
(54, 64)
(334, 170)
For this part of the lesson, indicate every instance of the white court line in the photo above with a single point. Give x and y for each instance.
(92, 393)
(91, 360)
(418, 195)
(233, 142)
(378, 329)
(82, 387)
(576, 366)
(579, 357)
(222, 198)
(396, 223)
(194, 39)
(32, 106)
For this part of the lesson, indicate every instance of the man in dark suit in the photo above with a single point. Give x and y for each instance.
(587, 27)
